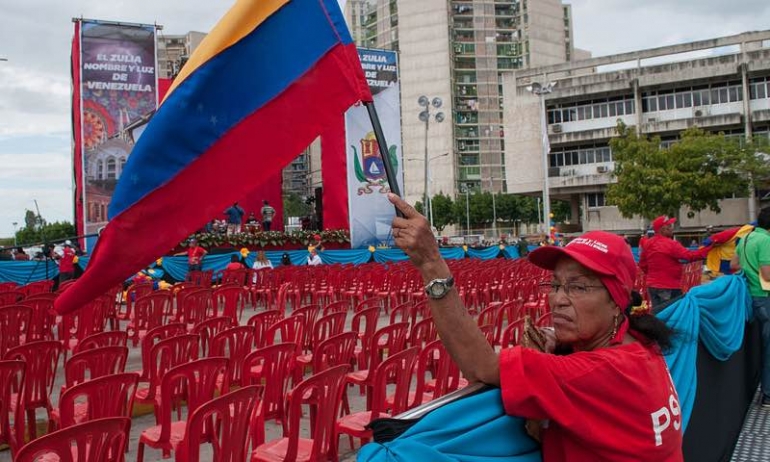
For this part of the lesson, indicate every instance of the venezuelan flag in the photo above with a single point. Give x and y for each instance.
(259, 89)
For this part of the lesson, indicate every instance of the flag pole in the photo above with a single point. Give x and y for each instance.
(380, 136)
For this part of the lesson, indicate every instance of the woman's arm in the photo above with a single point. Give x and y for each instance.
(462, 338)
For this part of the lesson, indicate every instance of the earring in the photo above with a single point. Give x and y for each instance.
(615, 328)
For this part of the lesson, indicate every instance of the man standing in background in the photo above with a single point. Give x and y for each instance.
(234, 218)
(660, 260)
(267, 215)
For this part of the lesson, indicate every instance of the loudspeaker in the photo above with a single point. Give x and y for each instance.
(319, 208)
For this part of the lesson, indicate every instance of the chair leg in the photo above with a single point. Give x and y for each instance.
(140, 452)
(31, 424)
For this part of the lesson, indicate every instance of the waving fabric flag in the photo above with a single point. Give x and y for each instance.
(262, 85)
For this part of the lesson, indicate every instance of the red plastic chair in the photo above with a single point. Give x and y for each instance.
(334, 351)
(232, 415)
(311, 314)
(194, 382)
(433, 366)
(386, 341)
(512, 334)
(234, 344)
(107, 396)
(93, 363)
(395, 369)
(323, 391)
(165, 355)
(229, 301)
(195, 307)
(133, 293)
(102, 339)
(401, 313)
(365, 324)
(327, 326)
(152, 337)
(340, 306)
(369, 303)
(423, 333)
(8, 286)
(209, 328)
(43, 317)
(149, 312)
(37, 287)
(200, 278)
(272, 365)
(11, 380)
(73, 327)
(15, 322)
(288, 330)
(42, 359)
(261, 322)
(11, 297)
(100, 440)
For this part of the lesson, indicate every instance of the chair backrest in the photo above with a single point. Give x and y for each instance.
(336, 307)
(10, 297)
(433, 360)
(103, 339)
(228, 301)
(95, 441)
(237, 277)
(335, 350)
(200, 278)
(364, 322)
(209, 328)
(43, 318)
(6, 286)
(42, 360)
(154, 336)
(232, 414)
(195, 306)
(149, 311)
(390, 339)
(15, 321)
(396, 369)
(93, 363)
(423, 332)
(37, 287)
(107, 396)
(11, 381)
(276, 362)
(325, 390)
(369, 303)
(234, 344)
(327, 326)
(261, 322)
(512, 334)
(289, 329)
(167, 354)
(194, 382)
(401, 313)
(134, 293)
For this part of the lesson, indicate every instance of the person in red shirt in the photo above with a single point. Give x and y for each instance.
(195, 254)
(661, 258)
(67, 263)
(600, 387)
(235, 263)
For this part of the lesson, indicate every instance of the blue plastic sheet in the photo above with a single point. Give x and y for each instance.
(24, 272)
(452, 253)
(486, 253)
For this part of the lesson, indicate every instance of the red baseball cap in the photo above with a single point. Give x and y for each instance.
(604, 253)
(662, 221)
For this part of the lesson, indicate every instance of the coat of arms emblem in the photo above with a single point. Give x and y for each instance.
(372, 175)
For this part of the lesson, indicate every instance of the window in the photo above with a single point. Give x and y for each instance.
(595, 199)
(99, 170)
(111, 169)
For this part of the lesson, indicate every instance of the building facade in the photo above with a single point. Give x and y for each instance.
(173, 51)
(458, 50)
(726, 90)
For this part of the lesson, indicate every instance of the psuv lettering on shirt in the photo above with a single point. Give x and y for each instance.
(666, 417)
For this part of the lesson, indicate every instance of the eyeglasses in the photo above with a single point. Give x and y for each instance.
(571, 289)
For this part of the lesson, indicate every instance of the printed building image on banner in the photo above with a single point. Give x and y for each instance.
(118, 94)
(370, 212)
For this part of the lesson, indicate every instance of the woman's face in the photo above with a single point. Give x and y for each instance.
(585, 318)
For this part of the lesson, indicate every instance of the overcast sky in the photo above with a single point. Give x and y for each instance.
(35, 37)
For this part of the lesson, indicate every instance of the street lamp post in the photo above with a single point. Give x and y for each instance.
(425, 116)
(541, 90)
(467, 211)
(494, 207)
(15, 224)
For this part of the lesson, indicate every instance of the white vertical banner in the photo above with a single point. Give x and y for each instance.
(370, 212)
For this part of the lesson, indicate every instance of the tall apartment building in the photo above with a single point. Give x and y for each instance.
(458, 50)
(173, 51)
(726, 91)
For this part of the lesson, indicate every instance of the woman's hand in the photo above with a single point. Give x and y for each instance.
(413, 235)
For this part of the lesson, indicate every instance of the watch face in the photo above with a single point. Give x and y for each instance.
(437, 288)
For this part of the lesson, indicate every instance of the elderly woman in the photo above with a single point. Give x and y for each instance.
(607, 395)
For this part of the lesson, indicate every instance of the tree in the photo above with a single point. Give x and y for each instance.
(443, 211)
(697, 171)
(294, 206)
(48, 232)
(30, 219)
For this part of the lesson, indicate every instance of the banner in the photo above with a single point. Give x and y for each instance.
(114, 96)
(370, 212)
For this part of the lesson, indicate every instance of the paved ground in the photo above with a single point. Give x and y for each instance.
(754, 441)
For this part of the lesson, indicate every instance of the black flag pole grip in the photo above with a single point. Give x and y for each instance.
(378, 133)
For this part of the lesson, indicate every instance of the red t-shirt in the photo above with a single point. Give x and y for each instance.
(660, 261)
(613, 404)
(195, 254)
(233, 266)
(66, 264)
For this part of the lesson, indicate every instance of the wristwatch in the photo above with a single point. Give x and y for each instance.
(438, 288)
